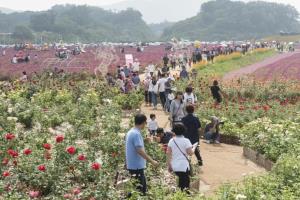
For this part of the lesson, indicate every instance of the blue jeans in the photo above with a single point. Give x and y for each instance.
(212, 136)
(154, 99)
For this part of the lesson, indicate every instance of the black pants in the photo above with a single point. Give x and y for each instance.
(184, 180)
(197, 154)
(162, 97)
(147, 97)
(139, 175)
(150, 97)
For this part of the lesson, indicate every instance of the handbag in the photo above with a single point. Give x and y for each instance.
(189, 161)
(173, 117)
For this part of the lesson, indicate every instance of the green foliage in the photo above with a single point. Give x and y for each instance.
(23, 33)
(229, 20)
(84, 23)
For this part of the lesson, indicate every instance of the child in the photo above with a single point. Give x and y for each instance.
(152, 125)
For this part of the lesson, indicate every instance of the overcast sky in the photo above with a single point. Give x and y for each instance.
(46, 4)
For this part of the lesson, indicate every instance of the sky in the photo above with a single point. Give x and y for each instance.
(46, 4)
(36, 5)
(178, 10)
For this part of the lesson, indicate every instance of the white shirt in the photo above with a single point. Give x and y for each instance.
(153, 88)
(136, 66)
(171, 96)
(161, 83)
(152, 125)
(151, 68)
(189, 98)
(179, 162)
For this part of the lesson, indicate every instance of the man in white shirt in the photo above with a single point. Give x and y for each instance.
(189, 97)
(151, 69)
(136, 66)
(162, 90)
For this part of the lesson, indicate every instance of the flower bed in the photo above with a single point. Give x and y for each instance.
(61, 138)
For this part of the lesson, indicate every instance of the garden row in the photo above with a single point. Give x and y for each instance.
(61, 138)
(266, 118)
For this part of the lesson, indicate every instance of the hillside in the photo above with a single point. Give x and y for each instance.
(78, 23)
(6, 10)
(228, 20)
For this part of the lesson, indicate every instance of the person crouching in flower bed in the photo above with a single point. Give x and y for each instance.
(179, 148)
(212, 131)
(163, 137)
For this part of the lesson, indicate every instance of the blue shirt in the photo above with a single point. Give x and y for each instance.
(134, 141)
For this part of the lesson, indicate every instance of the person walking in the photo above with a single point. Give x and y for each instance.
(189, 97)
(193, 125)
(179, 148)
(146, 84)
(184, 75)
(162, 89)
(136, 155)
(216, 92)
(153, 89)
(177, 110)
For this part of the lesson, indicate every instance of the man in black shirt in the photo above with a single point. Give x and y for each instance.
(166, 60)
(193, 126)
(216, 92)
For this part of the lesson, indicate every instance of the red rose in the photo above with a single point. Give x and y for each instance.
(266, 108)
(42, 168)
(34, 194)
(12, 153)
(71, 150)
(59, 138)
(96, 166)
(6, 174)
(27, 151)
(15, 163)
(5, 161)
(47, 146)
(76, 191)
(47, 155)
(67, 196)
(9, 136)
(81, 157)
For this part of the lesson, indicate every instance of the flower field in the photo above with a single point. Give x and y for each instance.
(287, 68)
(61, 141)
(88, 61)
(266, 118)
(62, 135)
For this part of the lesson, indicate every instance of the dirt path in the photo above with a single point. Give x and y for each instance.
(252, 68)
(222, 163)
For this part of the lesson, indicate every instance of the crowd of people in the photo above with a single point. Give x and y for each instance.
(182, 141)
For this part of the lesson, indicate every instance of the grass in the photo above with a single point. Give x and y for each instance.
(219, 68)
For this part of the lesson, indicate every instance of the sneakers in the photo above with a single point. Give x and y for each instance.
(217, 142)
(200, 163)
(207, 141)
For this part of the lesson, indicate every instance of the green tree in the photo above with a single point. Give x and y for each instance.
(23, 33)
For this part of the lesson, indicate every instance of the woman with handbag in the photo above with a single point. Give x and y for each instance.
(177, 108)
(179, 148)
